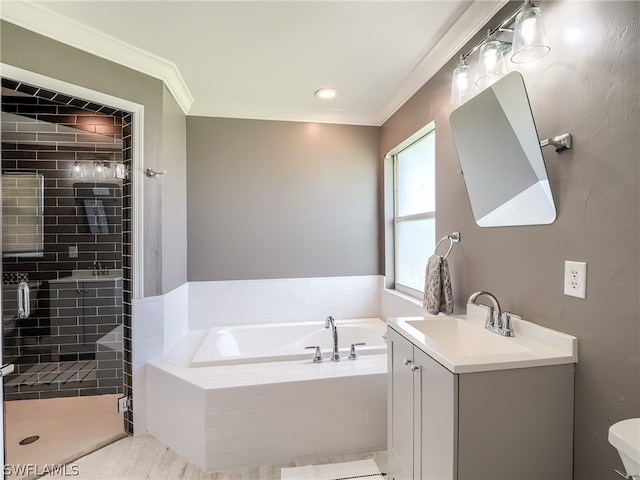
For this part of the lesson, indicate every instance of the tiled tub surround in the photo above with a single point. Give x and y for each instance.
(260, 414)
(249, 302)
(46, 132)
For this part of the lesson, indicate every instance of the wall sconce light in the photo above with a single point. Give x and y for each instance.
(76, 170)
(101, 169)
(461, 84)
(528, 43)
(97, 169)
(491, 66)
(529, 36)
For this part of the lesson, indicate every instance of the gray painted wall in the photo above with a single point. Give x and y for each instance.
(591, 90)
(281, 199)
(174, 194)
(30, 51)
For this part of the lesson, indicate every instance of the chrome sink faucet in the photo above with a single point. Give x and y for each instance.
(331, 323)
(496, 321)
(98, 270)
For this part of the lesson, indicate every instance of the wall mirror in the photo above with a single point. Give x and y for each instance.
(22, 214)
(501, 158)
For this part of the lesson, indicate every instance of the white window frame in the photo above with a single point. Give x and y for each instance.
(393, 219)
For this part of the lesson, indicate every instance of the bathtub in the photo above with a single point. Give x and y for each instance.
(287, 341)
(250, 395)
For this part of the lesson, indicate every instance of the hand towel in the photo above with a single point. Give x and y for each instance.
(438, 295)
(96, 216)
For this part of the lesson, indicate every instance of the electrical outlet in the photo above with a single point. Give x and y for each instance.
(73, 251)
(575, 279)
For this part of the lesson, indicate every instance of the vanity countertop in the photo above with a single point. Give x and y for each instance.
(462, 345)
(88, 276)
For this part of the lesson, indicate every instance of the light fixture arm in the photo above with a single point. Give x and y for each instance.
(500, 28)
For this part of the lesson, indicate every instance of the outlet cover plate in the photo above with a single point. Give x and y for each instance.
(575, 279)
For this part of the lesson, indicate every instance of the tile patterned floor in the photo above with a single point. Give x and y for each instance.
(145, 458)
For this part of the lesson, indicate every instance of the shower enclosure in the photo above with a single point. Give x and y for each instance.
(64, 180)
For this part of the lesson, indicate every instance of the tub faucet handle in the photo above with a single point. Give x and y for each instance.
(317, 356)
(352, 353)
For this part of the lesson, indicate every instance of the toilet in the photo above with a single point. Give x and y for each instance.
(625, 436)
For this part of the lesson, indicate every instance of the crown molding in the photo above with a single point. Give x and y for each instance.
(477, 14)
(46, 22)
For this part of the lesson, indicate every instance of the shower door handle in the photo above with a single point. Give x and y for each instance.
(24, 309)
(6, 369)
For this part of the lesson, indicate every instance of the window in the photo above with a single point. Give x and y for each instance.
(414, 211)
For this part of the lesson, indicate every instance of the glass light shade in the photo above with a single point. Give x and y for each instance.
(529, 37)
(461, 84)
(77, 171)
(491, 66)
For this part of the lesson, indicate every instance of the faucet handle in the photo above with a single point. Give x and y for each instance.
(352, 353)
(317, 356)
(489, 322)
(505, 326)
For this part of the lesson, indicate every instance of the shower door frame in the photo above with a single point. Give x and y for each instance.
(134, 275)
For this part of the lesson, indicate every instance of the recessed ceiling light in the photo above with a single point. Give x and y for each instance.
(326, 93)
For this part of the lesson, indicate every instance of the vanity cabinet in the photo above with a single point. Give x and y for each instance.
(498, 424)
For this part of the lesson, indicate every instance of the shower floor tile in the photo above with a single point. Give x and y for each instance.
(68, 428)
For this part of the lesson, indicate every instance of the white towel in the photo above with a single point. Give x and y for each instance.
(438, 296)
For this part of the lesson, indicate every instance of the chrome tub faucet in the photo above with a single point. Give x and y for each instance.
(496, 321)
(331, 323)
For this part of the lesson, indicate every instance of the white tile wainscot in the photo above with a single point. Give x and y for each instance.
(261, 414)
(246, 302)
(158, 323)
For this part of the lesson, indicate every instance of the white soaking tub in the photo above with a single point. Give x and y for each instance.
(250, 395)
(287, 341)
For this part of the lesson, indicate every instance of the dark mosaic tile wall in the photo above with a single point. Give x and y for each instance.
(72, 343)
(127, 266)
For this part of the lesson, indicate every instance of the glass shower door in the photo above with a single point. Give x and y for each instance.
(22, 237)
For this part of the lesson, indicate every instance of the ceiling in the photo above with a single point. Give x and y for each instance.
(265, 59)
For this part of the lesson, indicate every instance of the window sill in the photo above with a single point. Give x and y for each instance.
(404, 296)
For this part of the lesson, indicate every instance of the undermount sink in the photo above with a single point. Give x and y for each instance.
(464, 338)
(462, 344)
(89, 276)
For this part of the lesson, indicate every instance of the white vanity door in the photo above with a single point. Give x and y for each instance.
(400, 442)
(436, 417)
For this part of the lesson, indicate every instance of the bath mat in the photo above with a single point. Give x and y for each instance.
(360, 469)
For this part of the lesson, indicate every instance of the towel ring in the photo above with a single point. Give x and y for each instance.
(453, 238)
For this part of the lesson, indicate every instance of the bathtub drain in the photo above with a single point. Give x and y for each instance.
(28, 440)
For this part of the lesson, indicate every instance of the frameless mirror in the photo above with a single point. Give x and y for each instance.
(500, 156)
(22, 214)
